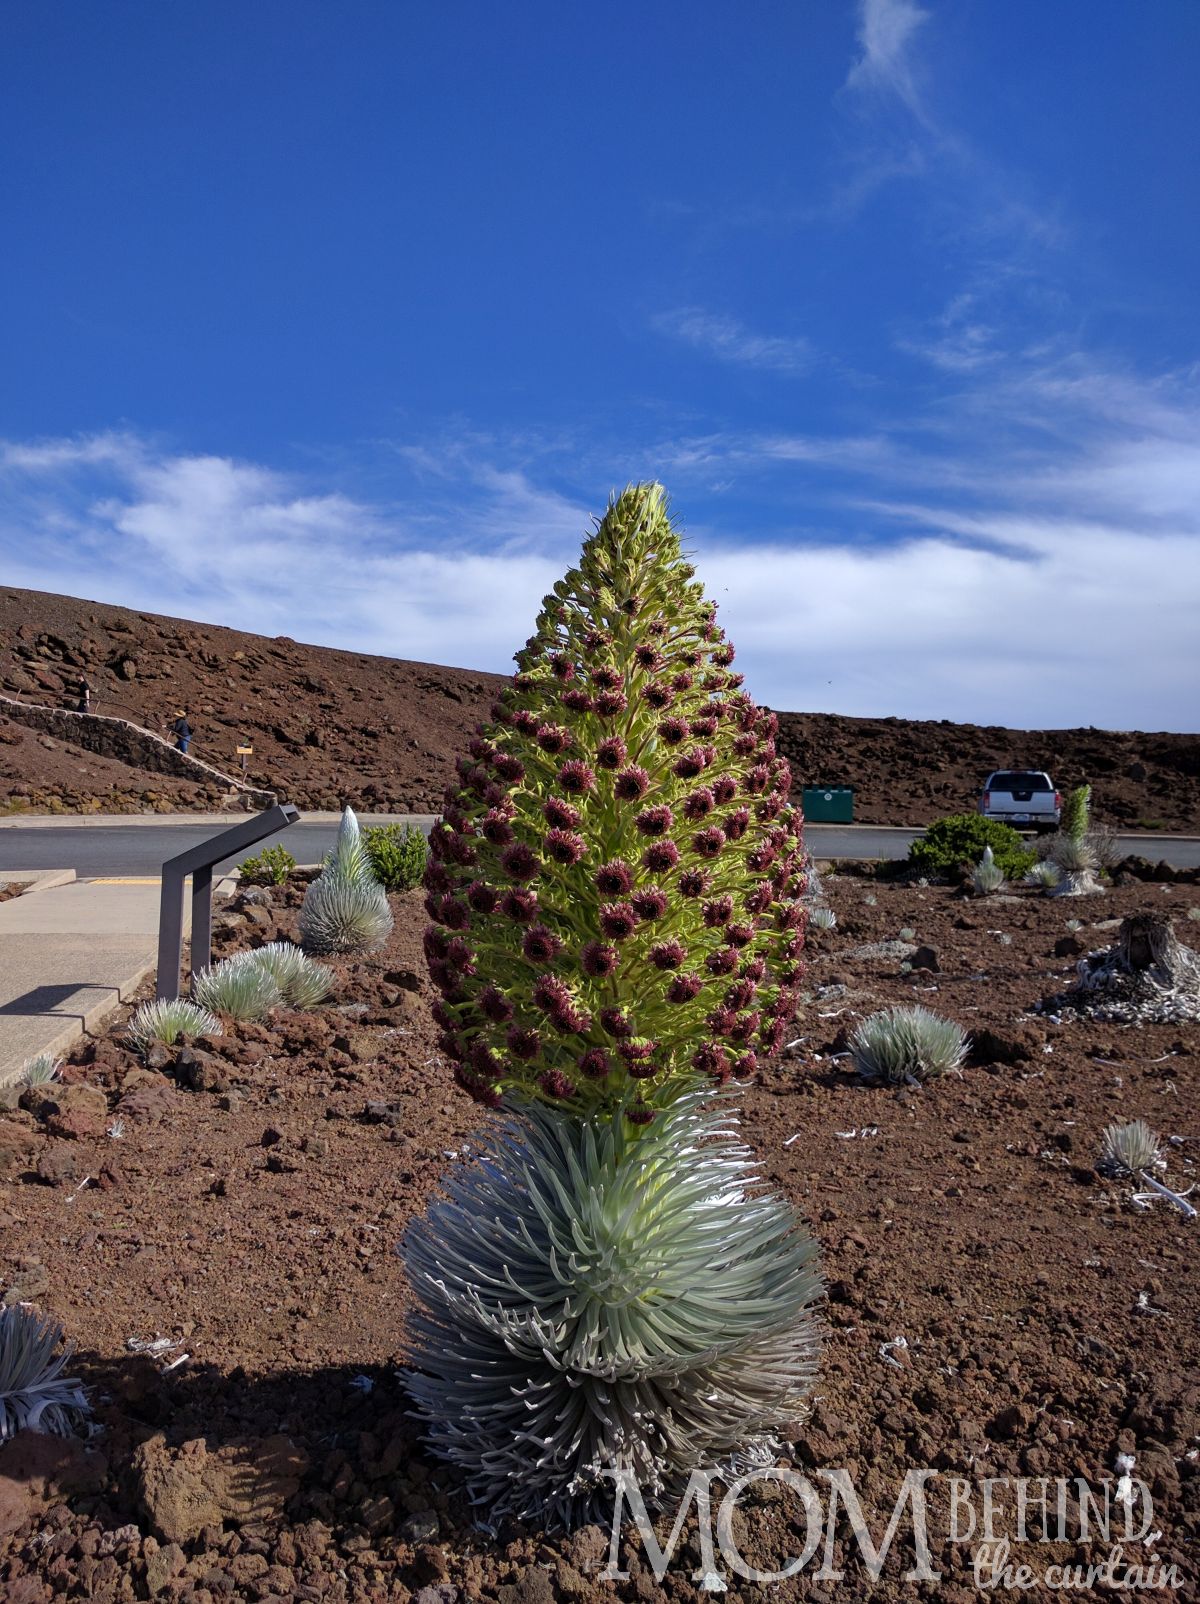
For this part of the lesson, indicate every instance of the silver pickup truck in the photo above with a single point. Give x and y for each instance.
(1021, 796)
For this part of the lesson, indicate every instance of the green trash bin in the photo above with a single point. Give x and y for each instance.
(829, 804)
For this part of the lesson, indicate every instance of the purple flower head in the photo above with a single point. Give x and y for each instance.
(618, 921)
(496, 827)
(744, 1026)
(683, 682)
(525, 721)
(698, 804)
(438, 877)
(596, 640)
(519, 861)
(594, 1063)
(683, 988)
(433, 907)
(718, 911)
(578, 701)
(564, 846)
(435, 941)
(705, 727)
(649, 903)
(739, 935)
(637, 1050)
(560, 814)
(724, 655)
(562, 668)
(668, 955)
(555, 1084)
(657, 695)
(736, 824)
(598, 960)
(745, 1064)
(647, 656)
(455, 915)
(494, 795)
(609, 703)
(610, 754)
(689, 764)
(660, 856)
(711, 1059)
(758, 900)
(722, 962)
(523, 1042)
(483, 1060)
(482, 897)
(772, 1038)
(743, 745)
(614, 879)
(721, 1021)
(694, 883)
(576, 778)
(639, 1114)
(674, 730)
(519, 905)
(500, 713)
(724, 788)
(657, 627)
(760, 859)
(459, 956)
(654, 821)
(540, 945)
(443, 1016)
(553, 738)
(758, 779)
(606, 678)
(741, 994)
(631, 784)
(708, 843)
(510, 768)
(480, 1090)
(494, 1005)
(614, 1022)
(551, 994)
(482, 751)
(754, 970)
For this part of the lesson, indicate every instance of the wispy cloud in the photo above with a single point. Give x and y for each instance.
(886, 30)
(730, 341)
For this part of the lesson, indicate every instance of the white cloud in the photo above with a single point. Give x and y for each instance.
(886, 29)
(730, 341)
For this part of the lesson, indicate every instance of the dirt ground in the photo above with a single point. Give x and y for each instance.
(995, 1308)
(330, 727)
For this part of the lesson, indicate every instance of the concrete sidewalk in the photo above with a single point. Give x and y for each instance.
(68, 957)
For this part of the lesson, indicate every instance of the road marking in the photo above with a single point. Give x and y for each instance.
(125, 880)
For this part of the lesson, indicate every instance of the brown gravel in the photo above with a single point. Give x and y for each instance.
(330, 727)
(252, 1223)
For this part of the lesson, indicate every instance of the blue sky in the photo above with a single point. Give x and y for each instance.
(342, 321)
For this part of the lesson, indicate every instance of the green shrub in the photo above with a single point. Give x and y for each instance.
(398, 854)
(961, 838)
(270, 868)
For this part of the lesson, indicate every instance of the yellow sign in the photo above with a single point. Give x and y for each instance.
(245, 751)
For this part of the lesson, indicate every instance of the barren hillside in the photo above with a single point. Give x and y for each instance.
(382, 733)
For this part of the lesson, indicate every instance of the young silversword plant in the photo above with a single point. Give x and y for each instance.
(988, 876)
(1128, 1148)
(241, 986)
(345, 909)
(615, 895)
(40, 1070)
(1044, 874)
(34, 1393)
(903, 1046)
(615, 886)
(302, 982)
(168, 1021)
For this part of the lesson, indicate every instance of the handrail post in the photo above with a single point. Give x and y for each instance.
(198, 861)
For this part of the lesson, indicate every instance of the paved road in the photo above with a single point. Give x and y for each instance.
(112, 849)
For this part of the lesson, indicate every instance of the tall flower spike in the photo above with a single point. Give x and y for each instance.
(625, 790)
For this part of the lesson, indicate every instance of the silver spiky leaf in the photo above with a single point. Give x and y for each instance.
(901, 1045)
(341, 913)
(34, 1393)
(598, 1295)
(1128, 1148)
(349, 856)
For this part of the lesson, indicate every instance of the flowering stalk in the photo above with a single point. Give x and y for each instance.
(614, 887)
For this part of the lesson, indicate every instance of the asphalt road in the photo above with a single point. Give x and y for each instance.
(140, 849)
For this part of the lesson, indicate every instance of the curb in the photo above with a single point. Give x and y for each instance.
(37, 879)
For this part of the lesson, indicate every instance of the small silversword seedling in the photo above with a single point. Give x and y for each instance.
(40, 1070)
(901, 1046)
(34, 1393)
(615, 887)
(822, 919)
(987, 875)
(1045, 873)
(168, 1021)
(1128, 1148)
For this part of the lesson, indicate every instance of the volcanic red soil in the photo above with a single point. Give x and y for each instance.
(330, 727)
(995, 1308)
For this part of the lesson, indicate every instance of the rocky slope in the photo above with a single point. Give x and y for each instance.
(330, 726)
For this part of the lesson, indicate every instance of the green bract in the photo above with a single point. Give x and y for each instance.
(614, 886)
(593, 1297)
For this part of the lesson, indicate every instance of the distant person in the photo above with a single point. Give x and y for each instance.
(84, 705)
(182, 731)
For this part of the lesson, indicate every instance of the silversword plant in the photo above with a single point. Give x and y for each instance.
(907, 1045)
(345, 909)
(240, 986)
(34, 1393)
(168, 1021)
